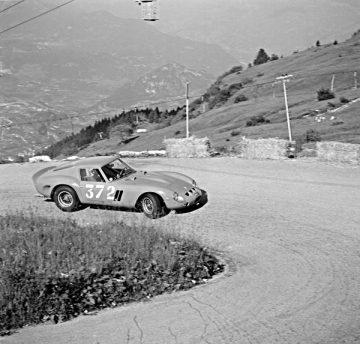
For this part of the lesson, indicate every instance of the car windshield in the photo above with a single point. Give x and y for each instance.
(117, 169)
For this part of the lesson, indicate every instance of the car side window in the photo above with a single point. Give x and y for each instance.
(91, 175)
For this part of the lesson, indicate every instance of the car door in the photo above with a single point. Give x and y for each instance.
(93, 186)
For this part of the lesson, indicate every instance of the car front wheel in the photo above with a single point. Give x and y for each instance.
(152, 207)
(66, 199)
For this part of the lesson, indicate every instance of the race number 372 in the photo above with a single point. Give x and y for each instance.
(95, 191)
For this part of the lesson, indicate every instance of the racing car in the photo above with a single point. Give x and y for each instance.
(109, 182)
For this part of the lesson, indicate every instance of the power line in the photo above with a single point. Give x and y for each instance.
(36, 17)
(11, 6)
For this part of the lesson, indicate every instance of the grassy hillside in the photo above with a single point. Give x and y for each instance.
(241, 98)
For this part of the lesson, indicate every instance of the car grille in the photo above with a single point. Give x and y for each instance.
(191, 192)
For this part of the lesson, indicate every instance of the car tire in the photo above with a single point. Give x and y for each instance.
(152, 206)
(66, 199)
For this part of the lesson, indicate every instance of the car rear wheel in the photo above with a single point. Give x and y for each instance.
(153, 207)
(66, 199)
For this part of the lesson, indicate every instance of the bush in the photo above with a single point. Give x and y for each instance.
(257, 120)
(312, 135)
(324, 94)
(240, 98)
(233, 88)
(235, 132)
(344, 100)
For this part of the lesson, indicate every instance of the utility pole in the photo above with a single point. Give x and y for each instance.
(284, 79)
(203, 104)
(332, 82)
(187, 108)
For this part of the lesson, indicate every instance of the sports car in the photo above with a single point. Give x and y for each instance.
(108, 182)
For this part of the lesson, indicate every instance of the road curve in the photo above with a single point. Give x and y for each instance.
(290, 232)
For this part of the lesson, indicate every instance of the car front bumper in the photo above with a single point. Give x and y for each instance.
(199, 202)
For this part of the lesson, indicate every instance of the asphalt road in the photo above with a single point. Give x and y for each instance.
(289, 231)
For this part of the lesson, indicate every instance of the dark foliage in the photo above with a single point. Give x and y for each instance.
(218, 96)
(257, 120)
(312, 135)
(274, 57)
(235, 132)
(324, 94)
(344, 100)
(262, 57)
(71, 145)
(240, 98)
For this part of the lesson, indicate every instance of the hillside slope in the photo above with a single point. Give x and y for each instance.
(312, 70)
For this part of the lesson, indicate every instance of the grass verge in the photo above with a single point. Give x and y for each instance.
(54, 270)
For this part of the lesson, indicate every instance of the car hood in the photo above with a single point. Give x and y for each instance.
(171, 180)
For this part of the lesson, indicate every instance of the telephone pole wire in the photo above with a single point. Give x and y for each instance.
(284, 79)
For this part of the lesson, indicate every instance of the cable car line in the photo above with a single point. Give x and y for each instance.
(11, 6)
(36, 17)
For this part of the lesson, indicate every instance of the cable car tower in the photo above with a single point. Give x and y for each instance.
(149, 9)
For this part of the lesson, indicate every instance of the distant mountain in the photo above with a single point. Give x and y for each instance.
(71, 59)
(165, 84)
(241, 27)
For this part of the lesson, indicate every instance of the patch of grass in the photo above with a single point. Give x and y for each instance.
(53, 270)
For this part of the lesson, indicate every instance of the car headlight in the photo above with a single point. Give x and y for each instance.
(177, 197)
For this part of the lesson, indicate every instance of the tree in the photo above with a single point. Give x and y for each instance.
(262, 57)
(274, 57)
(318, 43)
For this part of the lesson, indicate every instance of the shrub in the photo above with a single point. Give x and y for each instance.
(257, 120)
(235, 132)
(337, 123)
(220, 98)
(233, 88)
(344, 100)
(312, 135)
(324, 94)
(240, 98)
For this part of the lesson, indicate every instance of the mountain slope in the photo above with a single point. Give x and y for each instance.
(162, 84)
(312, 70)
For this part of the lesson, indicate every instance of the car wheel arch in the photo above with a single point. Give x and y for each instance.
(151, 193)
(58, 186)
(162, 211)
